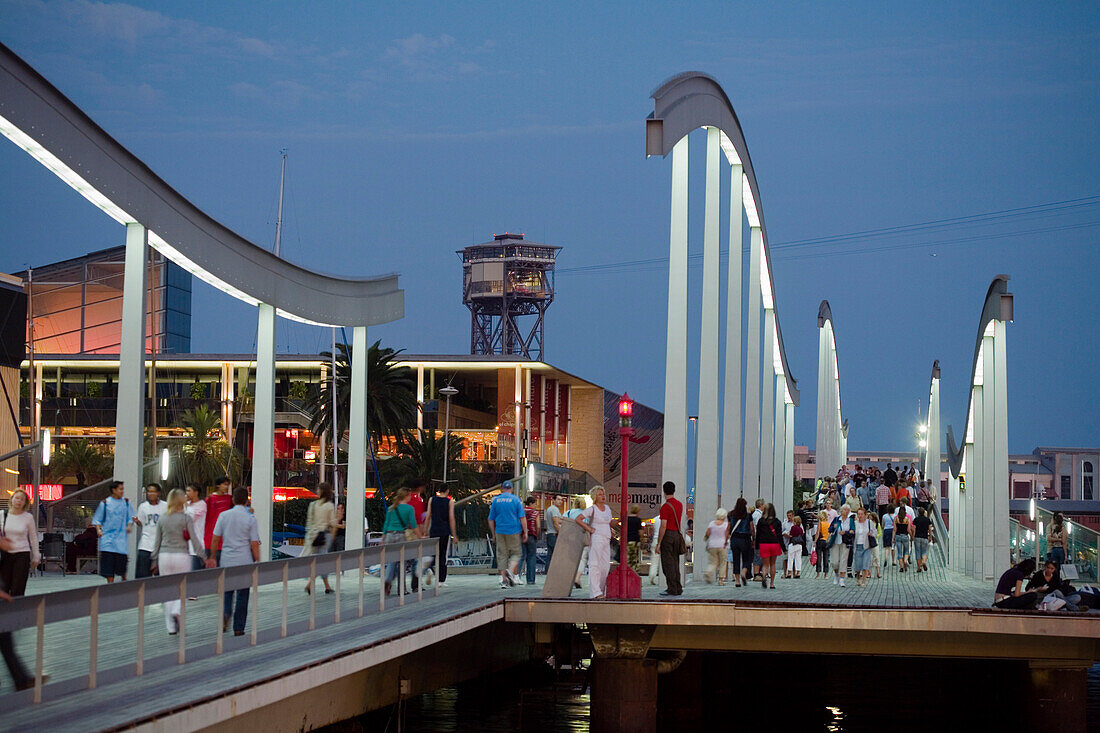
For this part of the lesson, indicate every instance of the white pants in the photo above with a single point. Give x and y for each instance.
(599, 565)
(173, 563)
(838, 556)
(794, 558)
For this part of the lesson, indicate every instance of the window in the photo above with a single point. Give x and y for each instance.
(1086, 480)
(1066, 492)
(1021, 489)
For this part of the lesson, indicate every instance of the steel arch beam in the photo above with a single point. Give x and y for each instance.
(57, 133)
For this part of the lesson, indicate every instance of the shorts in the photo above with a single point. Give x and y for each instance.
(508, 547)
(770, 549)
(920, 548)
(112, 564)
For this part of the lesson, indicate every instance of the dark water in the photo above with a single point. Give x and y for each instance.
(788, 692)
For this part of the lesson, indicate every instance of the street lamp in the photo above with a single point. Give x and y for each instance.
(164, 466)
(694, 420)
(623, 582)
(447, 392)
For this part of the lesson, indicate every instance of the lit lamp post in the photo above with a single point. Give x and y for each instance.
(447, 392)
(623, 582)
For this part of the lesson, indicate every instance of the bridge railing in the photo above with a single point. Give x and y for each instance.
(942, 545)
(38, 612)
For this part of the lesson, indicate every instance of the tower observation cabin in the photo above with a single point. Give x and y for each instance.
(508, 284)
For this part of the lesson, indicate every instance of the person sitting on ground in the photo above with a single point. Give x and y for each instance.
(1010, 591)
(1049, 586)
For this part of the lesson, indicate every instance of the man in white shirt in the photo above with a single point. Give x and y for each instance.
(148, 514)
(196, 509)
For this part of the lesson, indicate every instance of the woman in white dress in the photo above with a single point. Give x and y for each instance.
(322, 520)
(599, 552)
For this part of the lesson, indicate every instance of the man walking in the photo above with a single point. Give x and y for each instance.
(509, 527)
(553, 521)
(113, 520)
(671, 541)
(236, 541)
(148, 514)
(220, 500)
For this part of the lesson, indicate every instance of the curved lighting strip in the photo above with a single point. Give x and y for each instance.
(993, 309)
(692, 100)
(55, 132)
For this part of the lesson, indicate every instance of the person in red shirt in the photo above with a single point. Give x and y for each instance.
(219, 501)
(671, 541)
(420, 510)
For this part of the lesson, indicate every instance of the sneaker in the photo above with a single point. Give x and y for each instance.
(842, 582)
(836, 579)
(442, 584)
(503, 584)
(519, 581)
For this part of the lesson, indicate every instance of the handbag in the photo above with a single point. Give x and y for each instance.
(321, 539)
(813, 556)
(872, 541)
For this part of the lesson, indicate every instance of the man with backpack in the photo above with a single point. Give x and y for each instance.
(113, 520)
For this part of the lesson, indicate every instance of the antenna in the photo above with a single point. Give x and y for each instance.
(279, 216)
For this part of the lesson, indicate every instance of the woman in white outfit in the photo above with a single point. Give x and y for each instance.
(175, 531)
(322, 520)
(599, 552)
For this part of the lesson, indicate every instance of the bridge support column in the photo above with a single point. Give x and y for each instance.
(788, 458)
(779, 447)
(731, 417)
(1057, 691)
(130, 415)
(357, 442)
(750, 483)
(263, 438)
(706, 463)
(990, 487)
(674, 452)
(624, 682)
(1001, 549)
(767, 410)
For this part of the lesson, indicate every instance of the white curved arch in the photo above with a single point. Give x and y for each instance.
(979, 512)
(831, 446)
(692, 100)
(46, 124)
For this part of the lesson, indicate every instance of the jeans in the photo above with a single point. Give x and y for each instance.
(823, 556)
(920, 545)
(741, 545)
(15, 568)
(1027, 600)
(144, 562)
(240, 613)
(441, 558)
(529, 558)
(1058, 555)
(551, 541)
(902, 544)
(391, 567)
(197, 563)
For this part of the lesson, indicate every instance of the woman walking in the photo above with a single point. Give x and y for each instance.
(441, 510)
(769, 543)
(922, 536)
(822, 545)
(887, 537)
(741, 534)
(322, 521)
(400, 525)
(864, 532)
(598, 527)
(903, 533)
(19, 527)
(1056, 540)
(717, 536)
(796, 545)
(578, 508)
(842, 532)
(176, 535)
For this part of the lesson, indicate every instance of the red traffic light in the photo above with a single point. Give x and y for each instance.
(626, 406)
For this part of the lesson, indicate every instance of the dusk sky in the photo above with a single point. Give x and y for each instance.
(415, 130)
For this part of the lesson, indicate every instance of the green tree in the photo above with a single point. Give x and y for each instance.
(87, 462)
(423, 456)
(204, 454)
(391, 401)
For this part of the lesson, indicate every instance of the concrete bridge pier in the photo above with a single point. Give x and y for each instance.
(624, 681)
(1057, 691)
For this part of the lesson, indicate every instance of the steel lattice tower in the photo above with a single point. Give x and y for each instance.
(508, 284)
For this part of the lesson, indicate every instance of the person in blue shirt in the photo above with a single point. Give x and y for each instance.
(509, 527)
(113, 520)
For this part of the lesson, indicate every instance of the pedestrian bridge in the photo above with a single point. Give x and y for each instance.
(312, 660)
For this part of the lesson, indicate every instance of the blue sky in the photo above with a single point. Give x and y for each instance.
(415, 130)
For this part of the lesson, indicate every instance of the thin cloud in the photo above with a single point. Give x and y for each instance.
(427, 59)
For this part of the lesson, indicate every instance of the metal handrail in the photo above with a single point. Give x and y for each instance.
(943, 539)
(37, 611)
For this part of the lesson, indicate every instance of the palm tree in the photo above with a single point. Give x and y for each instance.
(205, 454)
(391, 401)
(424, 457)
(88, 462)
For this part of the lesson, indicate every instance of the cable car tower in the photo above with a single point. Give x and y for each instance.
(508, 284)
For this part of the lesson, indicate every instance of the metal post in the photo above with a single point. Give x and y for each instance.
(263, 442)
(355, 516)
(139, 667)
(674, 450)
(286, 582)
(990, 487)
(93, 638)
